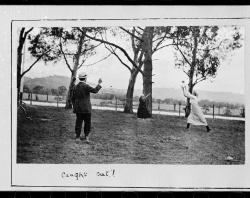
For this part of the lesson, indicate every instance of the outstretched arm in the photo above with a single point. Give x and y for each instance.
(96, 89)
(187, 93)
(147, 95)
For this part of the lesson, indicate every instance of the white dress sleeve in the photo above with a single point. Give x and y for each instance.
(188, 94)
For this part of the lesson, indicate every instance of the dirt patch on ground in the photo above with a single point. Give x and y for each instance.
(122, 138)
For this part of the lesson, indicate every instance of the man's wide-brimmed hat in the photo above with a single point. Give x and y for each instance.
(82, 75)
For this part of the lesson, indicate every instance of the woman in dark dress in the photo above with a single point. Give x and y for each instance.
(142, 111)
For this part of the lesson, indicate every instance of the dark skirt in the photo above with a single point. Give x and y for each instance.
(142, 111)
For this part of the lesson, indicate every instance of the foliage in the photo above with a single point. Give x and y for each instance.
(201, 49)
(26, 89)
(227, 112)
(205, 108)
(62, 90)
(66, 43)
(54, 91)
(42, 46)
(108, 96)
(72, 46)
(220, 104)
(38, 89)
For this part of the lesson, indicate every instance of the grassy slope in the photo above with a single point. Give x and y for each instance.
(121, 138)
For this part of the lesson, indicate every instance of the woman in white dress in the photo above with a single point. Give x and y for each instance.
(196, 116)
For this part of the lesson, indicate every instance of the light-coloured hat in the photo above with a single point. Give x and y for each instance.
(82, 75)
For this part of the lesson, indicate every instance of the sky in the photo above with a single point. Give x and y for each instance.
(230, 77)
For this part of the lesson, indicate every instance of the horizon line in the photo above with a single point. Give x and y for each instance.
(204, 90)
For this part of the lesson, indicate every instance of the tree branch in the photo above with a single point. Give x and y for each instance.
(138, 31)
(213, 48)
(91, 48)
(113, 52)
(185, 72)
(64, 56)
(163, 37)
(183, 54)
(119, 47)
(198, 80)
(83, 61)
(140, 28)
(140, 57)
(26, 33)
(30, 67)
(131, 34)
(133, 42)
(99, 60)
(159, 43)
(69, 54)
(155, 50)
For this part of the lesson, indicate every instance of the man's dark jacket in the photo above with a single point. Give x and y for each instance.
(81, 97)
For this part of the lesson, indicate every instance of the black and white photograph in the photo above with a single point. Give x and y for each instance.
(125, 98)
(133, 95)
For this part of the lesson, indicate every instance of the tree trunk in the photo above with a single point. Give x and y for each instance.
(70, 90)
(138, 55)
(148, 66)
(128, 107)
(190, 89)
(192, 70)
(19, 61)
(19, 65)
(74, 72)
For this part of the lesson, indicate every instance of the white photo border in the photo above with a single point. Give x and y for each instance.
(24, 168)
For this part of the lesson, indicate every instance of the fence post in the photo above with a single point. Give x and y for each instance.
(219, 110)
(31, 98)
(174, 106)
(57, 100)
(213, 111)
(116, 103)
(47, 97)
(179, 109)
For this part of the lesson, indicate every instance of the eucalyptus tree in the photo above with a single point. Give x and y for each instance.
(145, 41)
(200, 51)
(37, 48)
(72, 46)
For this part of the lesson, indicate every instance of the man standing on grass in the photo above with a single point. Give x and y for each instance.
(82, 106)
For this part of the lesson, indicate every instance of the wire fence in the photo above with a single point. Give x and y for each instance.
(117, 104)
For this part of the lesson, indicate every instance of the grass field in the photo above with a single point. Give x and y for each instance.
(122, 138)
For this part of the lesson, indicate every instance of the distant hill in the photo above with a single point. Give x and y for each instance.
(162, 93)
(50, 82)
(229, 97)
(158, 93)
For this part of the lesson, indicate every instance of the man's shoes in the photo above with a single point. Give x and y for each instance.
(77, 139)
(87, 139)
(82, 138)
